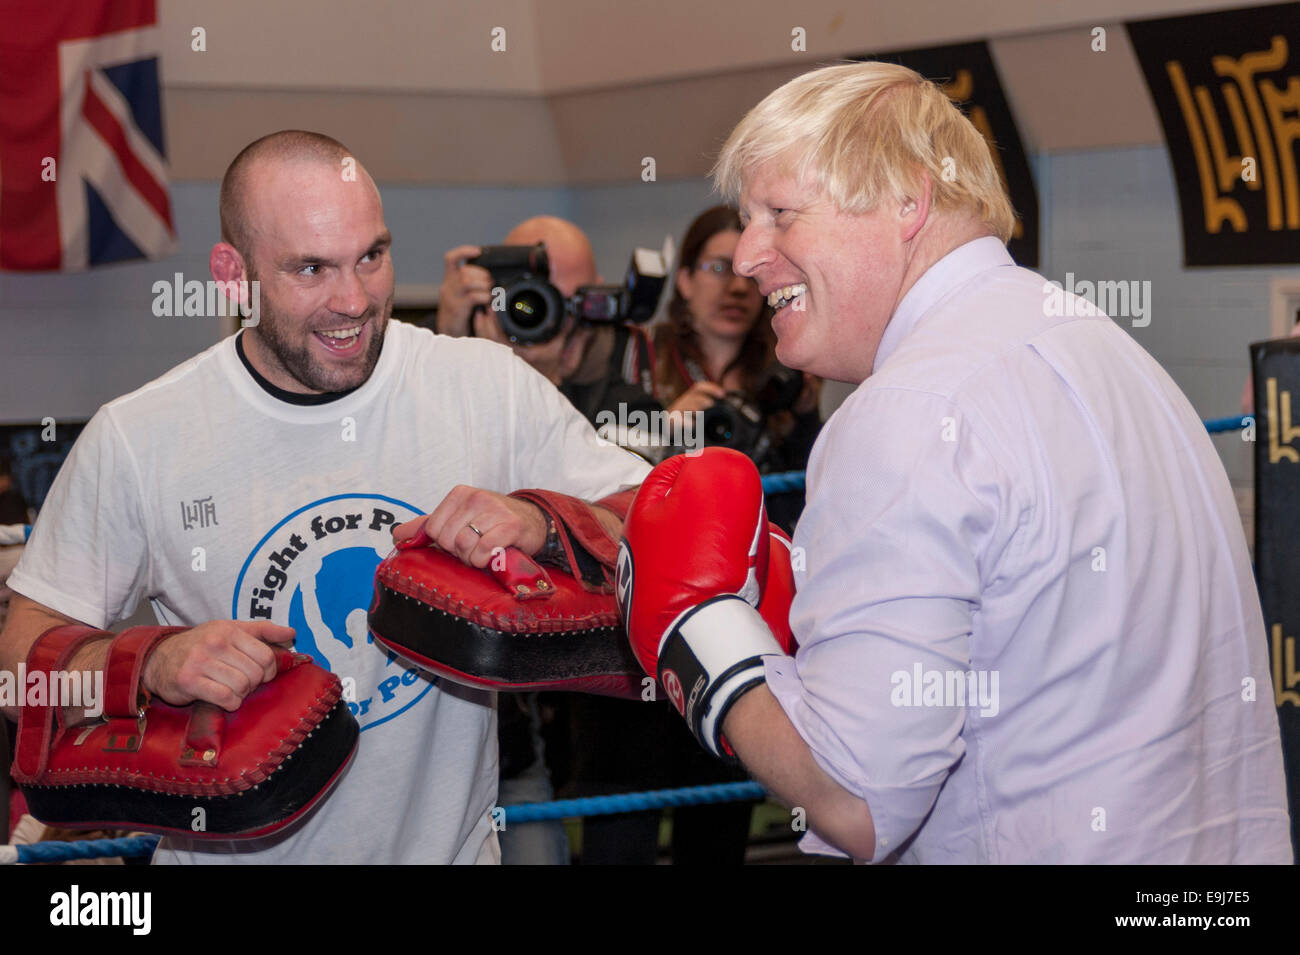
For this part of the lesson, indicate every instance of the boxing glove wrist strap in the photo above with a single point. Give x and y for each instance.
(710, 657)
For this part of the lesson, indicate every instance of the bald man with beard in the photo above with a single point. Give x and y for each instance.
(289, 456)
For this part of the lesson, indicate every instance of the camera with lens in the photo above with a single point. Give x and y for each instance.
(532, 310)
(734, 421)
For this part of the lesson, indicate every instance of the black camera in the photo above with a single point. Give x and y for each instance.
(736, 422)
(532, 310)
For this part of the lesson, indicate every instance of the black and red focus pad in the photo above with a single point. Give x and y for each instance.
(514, 626)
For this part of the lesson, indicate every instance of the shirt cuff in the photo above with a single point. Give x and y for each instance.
(783, 680)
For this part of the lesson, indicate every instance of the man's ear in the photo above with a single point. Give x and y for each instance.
(230, 270)
(226, 264)
(915, 210)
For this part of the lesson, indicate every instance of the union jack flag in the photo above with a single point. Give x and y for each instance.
(83, 180)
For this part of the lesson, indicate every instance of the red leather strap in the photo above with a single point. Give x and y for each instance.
(203, 736)
(522, 576)
(127, 656)
(518, 573)
(579, 527)
(574, 516)
(51, 652)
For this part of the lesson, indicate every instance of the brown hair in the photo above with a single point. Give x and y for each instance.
(678, 333)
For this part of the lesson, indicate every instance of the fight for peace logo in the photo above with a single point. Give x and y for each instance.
(315, 571)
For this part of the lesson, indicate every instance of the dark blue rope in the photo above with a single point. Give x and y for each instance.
(131, 847)
(632, 802)
(1231, 423)
(782, 482)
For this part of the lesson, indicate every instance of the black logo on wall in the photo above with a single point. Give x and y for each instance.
(1227, 87)
(967, 74)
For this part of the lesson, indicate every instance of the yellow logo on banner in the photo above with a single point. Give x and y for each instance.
(1265, 137)
(1279, 420)
(1282, 692)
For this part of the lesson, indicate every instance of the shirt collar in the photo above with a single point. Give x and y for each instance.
(955, 269)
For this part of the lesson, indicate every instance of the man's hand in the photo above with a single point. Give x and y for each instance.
(221, 662)
(497, 521)
(463, 288)
(698, 397)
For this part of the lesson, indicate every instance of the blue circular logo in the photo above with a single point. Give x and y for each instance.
(315, 571)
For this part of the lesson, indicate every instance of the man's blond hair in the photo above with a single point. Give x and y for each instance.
(864, 132)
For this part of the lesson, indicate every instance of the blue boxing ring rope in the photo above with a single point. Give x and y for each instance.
(632, 802)
(128, 847)
(143, 846)
(1230, 423)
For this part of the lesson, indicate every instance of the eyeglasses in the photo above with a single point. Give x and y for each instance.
(719, 267)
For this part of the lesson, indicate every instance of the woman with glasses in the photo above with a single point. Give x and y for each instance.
(717, 346)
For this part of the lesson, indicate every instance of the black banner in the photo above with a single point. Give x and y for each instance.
(34, 453)
(1227, 87)
(1276, 366)
(967, 74)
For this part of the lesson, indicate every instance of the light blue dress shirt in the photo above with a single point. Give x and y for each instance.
(1028, 625)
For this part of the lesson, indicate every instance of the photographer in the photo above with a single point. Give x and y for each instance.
(598, 367)
(715, 355)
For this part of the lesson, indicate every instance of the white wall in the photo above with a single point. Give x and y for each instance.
(563, 45)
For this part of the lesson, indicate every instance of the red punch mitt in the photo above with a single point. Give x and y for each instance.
(515, 625)
(195, 770)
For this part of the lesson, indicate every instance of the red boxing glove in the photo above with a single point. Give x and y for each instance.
(778, 589)
(697, 559)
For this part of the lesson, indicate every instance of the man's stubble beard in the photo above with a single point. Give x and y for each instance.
(296, 358)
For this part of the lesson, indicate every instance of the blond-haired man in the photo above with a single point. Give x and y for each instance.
(1027, 625)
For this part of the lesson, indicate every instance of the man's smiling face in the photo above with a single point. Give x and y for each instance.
(321, 251)
(835, 278)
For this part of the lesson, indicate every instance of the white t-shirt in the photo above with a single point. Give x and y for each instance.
(211, 498)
